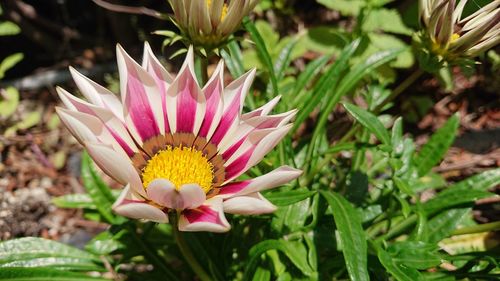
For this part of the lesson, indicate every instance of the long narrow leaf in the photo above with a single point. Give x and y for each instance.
(262, 52)
(351, 235)
(327, 82)
(99, 192)
(369, 121)
(433, 151)
(43, 274)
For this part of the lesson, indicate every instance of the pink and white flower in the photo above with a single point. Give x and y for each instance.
(176, 147)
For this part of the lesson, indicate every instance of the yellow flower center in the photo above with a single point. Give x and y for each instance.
(180, 165)
(224, 9)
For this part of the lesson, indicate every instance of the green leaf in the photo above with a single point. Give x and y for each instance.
(468, 190)
(365, 68)
(398, 270)
(443, 224)
(74, 201)
(446, 200)
(79, 200)
(105, 243)
(285, 198)
(345, 7)
(325, 40)
(415, 254)
(293, 251)
(261, 274)
(369, 121)
(309, 72)
(43, 274)
(388, 20)
(9, 62)
(38, 252)
(284, 58)
(434, 150)
(233, 59)
(327, 82)
(30, 119)
(9, 102)
(9, 28)
(482, 181)
(351, 235)
(99, 192)
(262, 52)
(397, 136)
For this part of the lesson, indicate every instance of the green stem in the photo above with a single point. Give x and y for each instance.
(492, 226)
(399, 89)
(204, 69)
(401, 227)
(151, 254)
(186, 251)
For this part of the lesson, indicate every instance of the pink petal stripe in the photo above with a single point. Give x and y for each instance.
(212, 91)
(263, 110)
(234, 187)
(202, 214)
(97, 94)
(275, 178)
(235, 168)
(186, 104)
(130, 152)
(138, 106)
(104, 115)
(162, 77)
(228, 118)
(229, 152)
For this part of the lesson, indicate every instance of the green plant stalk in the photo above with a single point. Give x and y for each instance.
(151, 255)
(492, 226)
(204, 69)
(401, 227)
(399, 89)
(186, 251)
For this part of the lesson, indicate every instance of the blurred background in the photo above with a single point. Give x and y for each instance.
(39, 160)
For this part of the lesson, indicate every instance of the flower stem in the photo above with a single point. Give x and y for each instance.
(151, 254)
(492, 226)
(399, 89)
(186, 251)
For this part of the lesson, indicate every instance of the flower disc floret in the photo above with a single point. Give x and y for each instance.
(180, 165)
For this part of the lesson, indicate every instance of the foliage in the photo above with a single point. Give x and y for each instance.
(356, 213)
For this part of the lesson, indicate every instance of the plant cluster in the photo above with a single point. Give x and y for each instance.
(219, 187)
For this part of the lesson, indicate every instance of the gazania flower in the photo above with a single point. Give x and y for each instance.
(453, 37)
(175, 147)
(209, 23)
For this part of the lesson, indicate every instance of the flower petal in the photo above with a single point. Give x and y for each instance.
(162, 77)
(214, 105)
(243, 131)
(111, 122)
(185, 100)
(115, 165)
(97, 94)
(141, 98)
(207, 217)
(263, 110)
(163, 192)
(251, 204)
(131, 206)
(253, 149)
(233, 96)
(275, 178)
